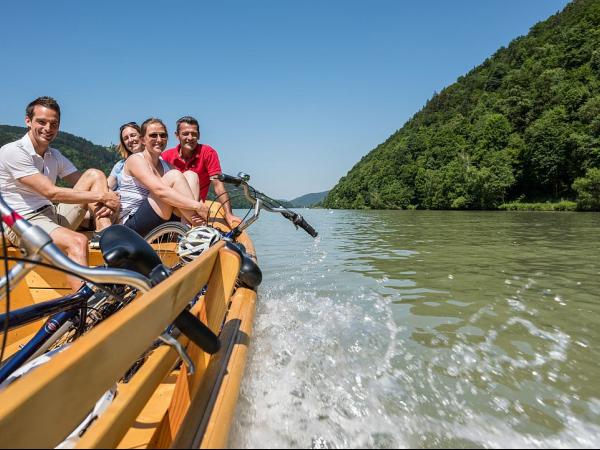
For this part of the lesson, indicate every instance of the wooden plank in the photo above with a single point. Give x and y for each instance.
(218, 293)
(220, 288)
(217, 429)
(108, 431)
(42, 295)
(211, 411)
(44, 277)
(77, 377)
(110, 428)
(19, 298)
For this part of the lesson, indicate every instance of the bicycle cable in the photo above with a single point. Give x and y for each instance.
(222, 205)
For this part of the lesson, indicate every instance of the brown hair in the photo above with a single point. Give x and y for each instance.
(189, 120)
(121, 148)
(149, 121)
(46, 102)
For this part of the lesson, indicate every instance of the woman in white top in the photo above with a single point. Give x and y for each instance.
(152, 192)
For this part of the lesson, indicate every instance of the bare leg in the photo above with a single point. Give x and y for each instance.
(179, 182)
(194, 183)
(94, 180)
(75, 245)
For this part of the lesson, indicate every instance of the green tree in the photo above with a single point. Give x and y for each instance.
(588, 190)
(547, 150)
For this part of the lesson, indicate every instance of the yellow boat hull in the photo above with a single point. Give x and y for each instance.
(162, 405)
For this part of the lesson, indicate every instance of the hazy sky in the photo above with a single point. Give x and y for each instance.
(292, 92)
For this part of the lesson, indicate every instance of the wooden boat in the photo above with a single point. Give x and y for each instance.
(161, 405)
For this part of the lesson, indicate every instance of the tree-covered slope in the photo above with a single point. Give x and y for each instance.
(523, 125)
(81, 152)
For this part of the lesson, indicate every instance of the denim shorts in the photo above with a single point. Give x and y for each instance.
(145, 219)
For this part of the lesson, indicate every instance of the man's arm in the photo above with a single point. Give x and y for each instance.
(43, 186)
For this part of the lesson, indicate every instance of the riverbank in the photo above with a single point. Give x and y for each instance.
(563, 205)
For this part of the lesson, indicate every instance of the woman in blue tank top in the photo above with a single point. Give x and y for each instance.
(130, 137)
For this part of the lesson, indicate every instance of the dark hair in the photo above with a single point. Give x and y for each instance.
(149, 121)
(189, 120)
(47, 102)
(121, 148)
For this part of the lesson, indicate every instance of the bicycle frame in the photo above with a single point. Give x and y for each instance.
(64, 311)
(28, 314)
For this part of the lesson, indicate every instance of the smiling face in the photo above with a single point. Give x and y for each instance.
(188, 136)
(155, 139)
(132, 140)
(43, 126)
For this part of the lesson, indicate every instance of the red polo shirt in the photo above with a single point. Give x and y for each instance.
(204, 161)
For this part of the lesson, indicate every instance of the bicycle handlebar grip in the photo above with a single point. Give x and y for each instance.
(306, 227)
(299, 221)
(197, 332)
(236, 181)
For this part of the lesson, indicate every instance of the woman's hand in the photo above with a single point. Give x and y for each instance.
(201, 215)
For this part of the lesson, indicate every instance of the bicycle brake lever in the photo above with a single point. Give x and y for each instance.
(170, 340)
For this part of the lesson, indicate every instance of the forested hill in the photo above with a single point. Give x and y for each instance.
(309, 200)
(81, 152)
(521, 126)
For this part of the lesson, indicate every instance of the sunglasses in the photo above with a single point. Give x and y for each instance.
(157, 135)
(129, 124)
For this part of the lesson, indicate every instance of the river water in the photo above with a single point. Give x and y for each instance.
(425, 329)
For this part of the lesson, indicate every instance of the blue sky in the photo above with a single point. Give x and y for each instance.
(292, 92)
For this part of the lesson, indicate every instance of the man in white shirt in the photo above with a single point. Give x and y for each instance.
(28, 172)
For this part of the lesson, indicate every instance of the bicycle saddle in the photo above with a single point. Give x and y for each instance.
(123, 248)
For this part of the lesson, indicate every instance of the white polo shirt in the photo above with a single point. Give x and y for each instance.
(19, 159)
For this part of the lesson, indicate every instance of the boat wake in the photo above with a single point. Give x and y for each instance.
(369, 362)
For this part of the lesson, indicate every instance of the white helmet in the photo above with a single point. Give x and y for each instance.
(196, 241)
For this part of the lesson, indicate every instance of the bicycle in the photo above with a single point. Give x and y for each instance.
(132, 266)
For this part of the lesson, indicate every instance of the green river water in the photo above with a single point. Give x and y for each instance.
(425, 329)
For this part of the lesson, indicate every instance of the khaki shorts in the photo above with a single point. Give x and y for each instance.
(50, 218)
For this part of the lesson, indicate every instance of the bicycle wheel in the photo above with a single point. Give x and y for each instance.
(164, 239)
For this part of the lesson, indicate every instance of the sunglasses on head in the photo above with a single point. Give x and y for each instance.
(128, 124)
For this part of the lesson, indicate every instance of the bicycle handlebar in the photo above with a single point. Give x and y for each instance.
(229, 179)
(292, 216)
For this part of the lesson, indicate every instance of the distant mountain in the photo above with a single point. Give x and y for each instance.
(84, 154)
(309, 200)
(524, 125)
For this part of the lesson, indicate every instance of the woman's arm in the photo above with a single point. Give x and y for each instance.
(112, 182)
(139, 168)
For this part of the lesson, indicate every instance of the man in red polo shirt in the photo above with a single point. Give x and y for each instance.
(201, 159)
